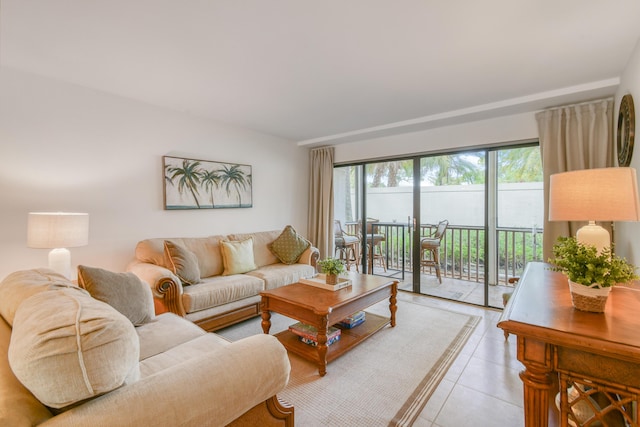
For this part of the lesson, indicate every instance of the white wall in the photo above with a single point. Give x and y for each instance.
(69, 148)
(491, 131)
(627, 234)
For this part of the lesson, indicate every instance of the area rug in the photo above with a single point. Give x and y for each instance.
(386, 380)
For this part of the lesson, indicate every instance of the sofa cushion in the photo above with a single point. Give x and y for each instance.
(166, 331)
(67, 347)
(237, 256)
(276, 275)
(18, 407)
(20, 285)
(206, 249)
(182, 262)
(196, 347)
(261, 253)
(125, 292)
(215, 291)
(289, 246)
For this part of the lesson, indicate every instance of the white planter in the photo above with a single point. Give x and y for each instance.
(589, 298)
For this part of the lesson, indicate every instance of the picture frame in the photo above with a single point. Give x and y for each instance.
(204, 184)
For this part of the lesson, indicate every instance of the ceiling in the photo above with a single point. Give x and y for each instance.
(326, 72)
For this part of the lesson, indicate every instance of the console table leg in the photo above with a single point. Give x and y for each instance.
(537, 385)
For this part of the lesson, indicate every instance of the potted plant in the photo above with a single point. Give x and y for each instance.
(331, 267)
(591, 274)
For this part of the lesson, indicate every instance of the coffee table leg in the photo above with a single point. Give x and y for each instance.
(266, 321)
(322, 347)
(392, 303)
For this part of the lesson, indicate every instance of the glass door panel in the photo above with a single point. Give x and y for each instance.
(384, 226)
(452, 193)
(518, 217)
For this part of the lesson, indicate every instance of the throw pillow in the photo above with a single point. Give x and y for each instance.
(182, 262)
(237, 256)
(125, 292)
(289, 246)
(67, 347)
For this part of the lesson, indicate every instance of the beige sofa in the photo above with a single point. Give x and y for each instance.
(70, 359)
(218, 296)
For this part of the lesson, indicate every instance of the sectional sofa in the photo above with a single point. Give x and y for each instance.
(97, 355)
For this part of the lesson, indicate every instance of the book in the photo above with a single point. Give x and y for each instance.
(310, 332)
(352, 321)
(315, 343)
(319, 281)
(352, 325)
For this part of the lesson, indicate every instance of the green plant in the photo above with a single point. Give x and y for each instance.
(331, 266)
(584, 265)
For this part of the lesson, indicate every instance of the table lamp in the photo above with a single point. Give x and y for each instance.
(58, 231)
(603, 194)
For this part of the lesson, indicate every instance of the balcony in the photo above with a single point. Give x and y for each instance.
(462, 256)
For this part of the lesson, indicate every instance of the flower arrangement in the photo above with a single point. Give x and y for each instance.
(584, 265)
(331, 266)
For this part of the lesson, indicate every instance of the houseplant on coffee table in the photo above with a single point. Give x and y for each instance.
(591, 274)
(331, 267)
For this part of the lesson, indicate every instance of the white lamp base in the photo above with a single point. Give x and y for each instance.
(594, 235)
(60, 261)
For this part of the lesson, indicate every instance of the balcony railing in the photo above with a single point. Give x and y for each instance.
(462, 249)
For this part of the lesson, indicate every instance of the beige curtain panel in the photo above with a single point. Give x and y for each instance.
(573, 137)
(320, 224)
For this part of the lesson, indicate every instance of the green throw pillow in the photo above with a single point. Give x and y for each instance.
(182, 262)
(125, 292)
(289, 246)
(237, 256)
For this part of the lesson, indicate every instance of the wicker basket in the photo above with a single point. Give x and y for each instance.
(589, 298)
(331, 279)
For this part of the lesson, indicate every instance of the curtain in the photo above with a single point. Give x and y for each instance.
(573, 137)
(320, 225)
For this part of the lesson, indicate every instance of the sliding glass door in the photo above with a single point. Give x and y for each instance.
(453, 225)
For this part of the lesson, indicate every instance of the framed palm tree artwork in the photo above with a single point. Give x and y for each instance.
(203, 184)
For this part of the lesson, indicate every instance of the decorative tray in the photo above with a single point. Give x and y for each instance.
(319, 281)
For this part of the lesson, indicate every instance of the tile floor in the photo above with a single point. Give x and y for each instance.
(482, 387)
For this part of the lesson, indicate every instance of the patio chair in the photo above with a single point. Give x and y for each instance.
(374, 243)
(431, 245)
(346, 245)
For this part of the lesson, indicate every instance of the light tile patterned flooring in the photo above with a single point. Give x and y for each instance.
(482, 387)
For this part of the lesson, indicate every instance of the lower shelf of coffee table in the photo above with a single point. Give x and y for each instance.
(348, 339)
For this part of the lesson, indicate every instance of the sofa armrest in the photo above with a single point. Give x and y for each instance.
(310, 256)
(213, 389)
(166, 286)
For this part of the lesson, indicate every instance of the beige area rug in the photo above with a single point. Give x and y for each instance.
(384, 381)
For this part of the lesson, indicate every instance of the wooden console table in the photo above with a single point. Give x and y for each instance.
(561, 346)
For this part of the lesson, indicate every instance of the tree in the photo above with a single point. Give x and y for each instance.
(234, 176)
(519, 165)
(393, 172)
(452, 169)
(190, 176)
(210, 179)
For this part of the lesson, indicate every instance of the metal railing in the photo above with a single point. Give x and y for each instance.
(462, 251)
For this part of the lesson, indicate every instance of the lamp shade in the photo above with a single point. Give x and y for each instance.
(57, 230)
(604, 194)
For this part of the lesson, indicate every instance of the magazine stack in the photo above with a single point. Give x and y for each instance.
(309, 335)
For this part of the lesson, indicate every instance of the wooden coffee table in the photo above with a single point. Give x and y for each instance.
(322, 308)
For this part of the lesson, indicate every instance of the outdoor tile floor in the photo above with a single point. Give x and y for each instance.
(482, 387)
(453, 289)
